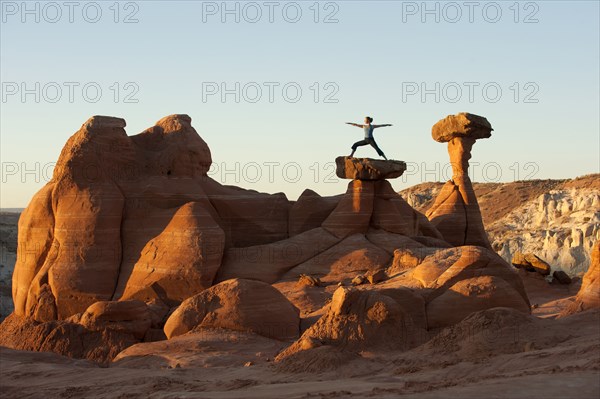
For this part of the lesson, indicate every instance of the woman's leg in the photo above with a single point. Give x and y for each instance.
(374, 145)
(358, 144)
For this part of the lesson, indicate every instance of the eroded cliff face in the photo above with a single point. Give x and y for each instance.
(561, 227)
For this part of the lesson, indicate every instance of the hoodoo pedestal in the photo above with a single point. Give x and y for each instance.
(456, 213)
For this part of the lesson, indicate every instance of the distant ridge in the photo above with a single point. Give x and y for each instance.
(11, 210)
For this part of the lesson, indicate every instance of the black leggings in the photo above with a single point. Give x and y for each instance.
(370, 141)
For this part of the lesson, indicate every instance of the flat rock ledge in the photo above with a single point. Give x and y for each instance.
(368, 169)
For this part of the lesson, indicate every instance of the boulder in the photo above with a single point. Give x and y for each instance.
(306, 279)
(368, 169)
(518, 260)
(530, 262)
(561, 277)
(199, 350)
(307, 298)
(410, 300)
(359, 280)
(444, 268)
(182, 260)
(358, 320)
(130, 317)
(409, 258)
(237, 304)
(377, 276)
(472, 295)
(540, 265)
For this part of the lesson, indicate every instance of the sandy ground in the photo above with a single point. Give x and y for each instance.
(496, 354)
(568, 370)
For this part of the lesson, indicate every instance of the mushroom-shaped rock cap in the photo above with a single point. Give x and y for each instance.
(461, 125)
(368, 169)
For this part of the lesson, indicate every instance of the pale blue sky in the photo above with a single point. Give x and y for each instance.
(374, 53)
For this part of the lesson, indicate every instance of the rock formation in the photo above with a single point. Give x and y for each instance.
(558, 220)
(531, 262)
(130, 317)
(560, 226)
(242, 305)
(455, 212)
(368, 169)
(63, 337)
(588, 296)
(132, 241)
(357, 319)
(133, 218)
(309, 211)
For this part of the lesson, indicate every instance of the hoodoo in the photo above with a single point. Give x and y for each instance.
(455, 212)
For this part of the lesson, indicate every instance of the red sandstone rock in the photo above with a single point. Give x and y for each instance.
(391, 241)
(393, 214)
(269, 262)
(130, 317)
(133, 217)
(354, 255)
(356, 320)
(368, 169)
(455, 212)
(472, 295)
(309, 211)
(150, 225)
(64, 338)
(444, 268)
(461, 125)
(242, 305)
(353, 212)
(530, 262)
(588, 296)
(183, 259)
(248, 217)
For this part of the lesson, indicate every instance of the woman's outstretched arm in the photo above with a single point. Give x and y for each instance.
(354, 124)
(386, 125)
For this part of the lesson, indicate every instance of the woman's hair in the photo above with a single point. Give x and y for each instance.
(369, 119)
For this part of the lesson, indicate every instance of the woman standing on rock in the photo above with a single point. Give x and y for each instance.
(369, 139)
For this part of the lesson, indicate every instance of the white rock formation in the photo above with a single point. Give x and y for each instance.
(560, 227)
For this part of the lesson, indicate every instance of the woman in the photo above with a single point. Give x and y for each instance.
(368, 127)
